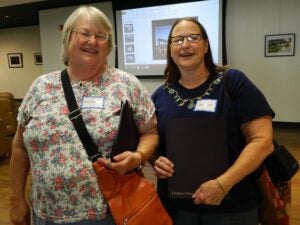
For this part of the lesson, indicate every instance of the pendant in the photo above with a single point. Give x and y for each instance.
(177, 99)
(217, 80)
(191, 105)
(171, 91)
(181, 102)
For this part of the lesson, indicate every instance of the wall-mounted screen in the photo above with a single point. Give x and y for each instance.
(142, 33)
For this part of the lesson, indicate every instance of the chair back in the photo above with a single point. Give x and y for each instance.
(8, 114)
(5, 139)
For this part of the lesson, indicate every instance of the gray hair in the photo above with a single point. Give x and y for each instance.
(93, 15)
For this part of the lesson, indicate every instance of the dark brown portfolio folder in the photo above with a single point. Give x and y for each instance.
(197, 147)
(128, 136)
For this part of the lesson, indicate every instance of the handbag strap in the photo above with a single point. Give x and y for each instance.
(76, 118)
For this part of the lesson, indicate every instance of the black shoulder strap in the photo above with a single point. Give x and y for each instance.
(77, 120)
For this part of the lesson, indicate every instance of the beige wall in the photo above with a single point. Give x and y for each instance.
(25, 40)
(278, 77)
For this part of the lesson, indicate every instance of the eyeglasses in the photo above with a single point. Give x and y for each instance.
(86, 35)
(191, 38)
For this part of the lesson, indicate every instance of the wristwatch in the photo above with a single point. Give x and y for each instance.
(140, 167)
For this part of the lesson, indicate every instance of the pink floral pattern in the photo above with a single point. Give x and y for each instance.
(64, 186)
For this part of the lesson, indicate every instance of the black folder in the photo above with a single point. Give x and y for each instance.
(127, 137)
(198, 149)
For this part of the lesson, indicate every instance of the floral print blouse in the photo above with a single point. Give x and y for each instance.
(64, 185)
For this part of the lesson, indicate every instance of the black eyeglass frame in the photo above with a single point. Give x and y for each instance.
(179, 39)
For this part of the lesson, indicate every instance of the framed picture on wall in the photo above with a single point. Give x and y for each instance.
(15, 60)
(279, 45)
(38, 58)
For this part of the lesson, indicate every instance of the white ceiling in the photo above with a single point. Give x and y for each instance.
(4, 3)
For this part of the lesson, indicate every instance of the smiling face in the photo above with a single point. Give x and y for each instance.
(87, 51)
(188, 55)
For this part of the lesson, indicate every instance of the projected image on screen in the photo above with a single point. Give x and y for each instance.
(142, 34)
(128, 28)
(160, 32)
(129, 48)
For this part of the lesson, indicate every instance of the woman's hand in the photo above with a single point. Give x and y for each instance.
(163, 167)
(19, 212)
(124, 162)
(209, 193)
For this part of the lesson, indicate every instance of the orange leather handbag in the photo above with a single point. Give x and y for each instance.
(131, 198)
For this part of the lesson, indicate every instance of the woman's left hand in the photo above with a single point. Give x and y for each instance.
(209, 193)
(124, 162)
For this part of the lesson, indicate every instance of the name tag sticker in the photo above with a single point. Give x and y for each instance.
(92, 103)
(208, 105)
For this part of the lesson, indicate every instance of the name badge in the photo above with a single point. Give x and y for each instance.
(208, 105)
(92, 102)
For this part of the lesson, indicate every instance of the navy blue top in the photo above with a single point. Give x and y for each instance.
(242, 103)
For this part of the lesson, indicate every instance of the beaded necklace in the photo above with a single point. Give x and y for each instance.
(181, 101)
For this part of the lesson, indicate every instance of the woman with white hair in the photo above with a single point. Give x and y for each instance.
(64, 186)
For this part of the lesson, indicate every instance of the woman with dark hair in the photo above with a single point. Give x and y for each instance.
(195, 88)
